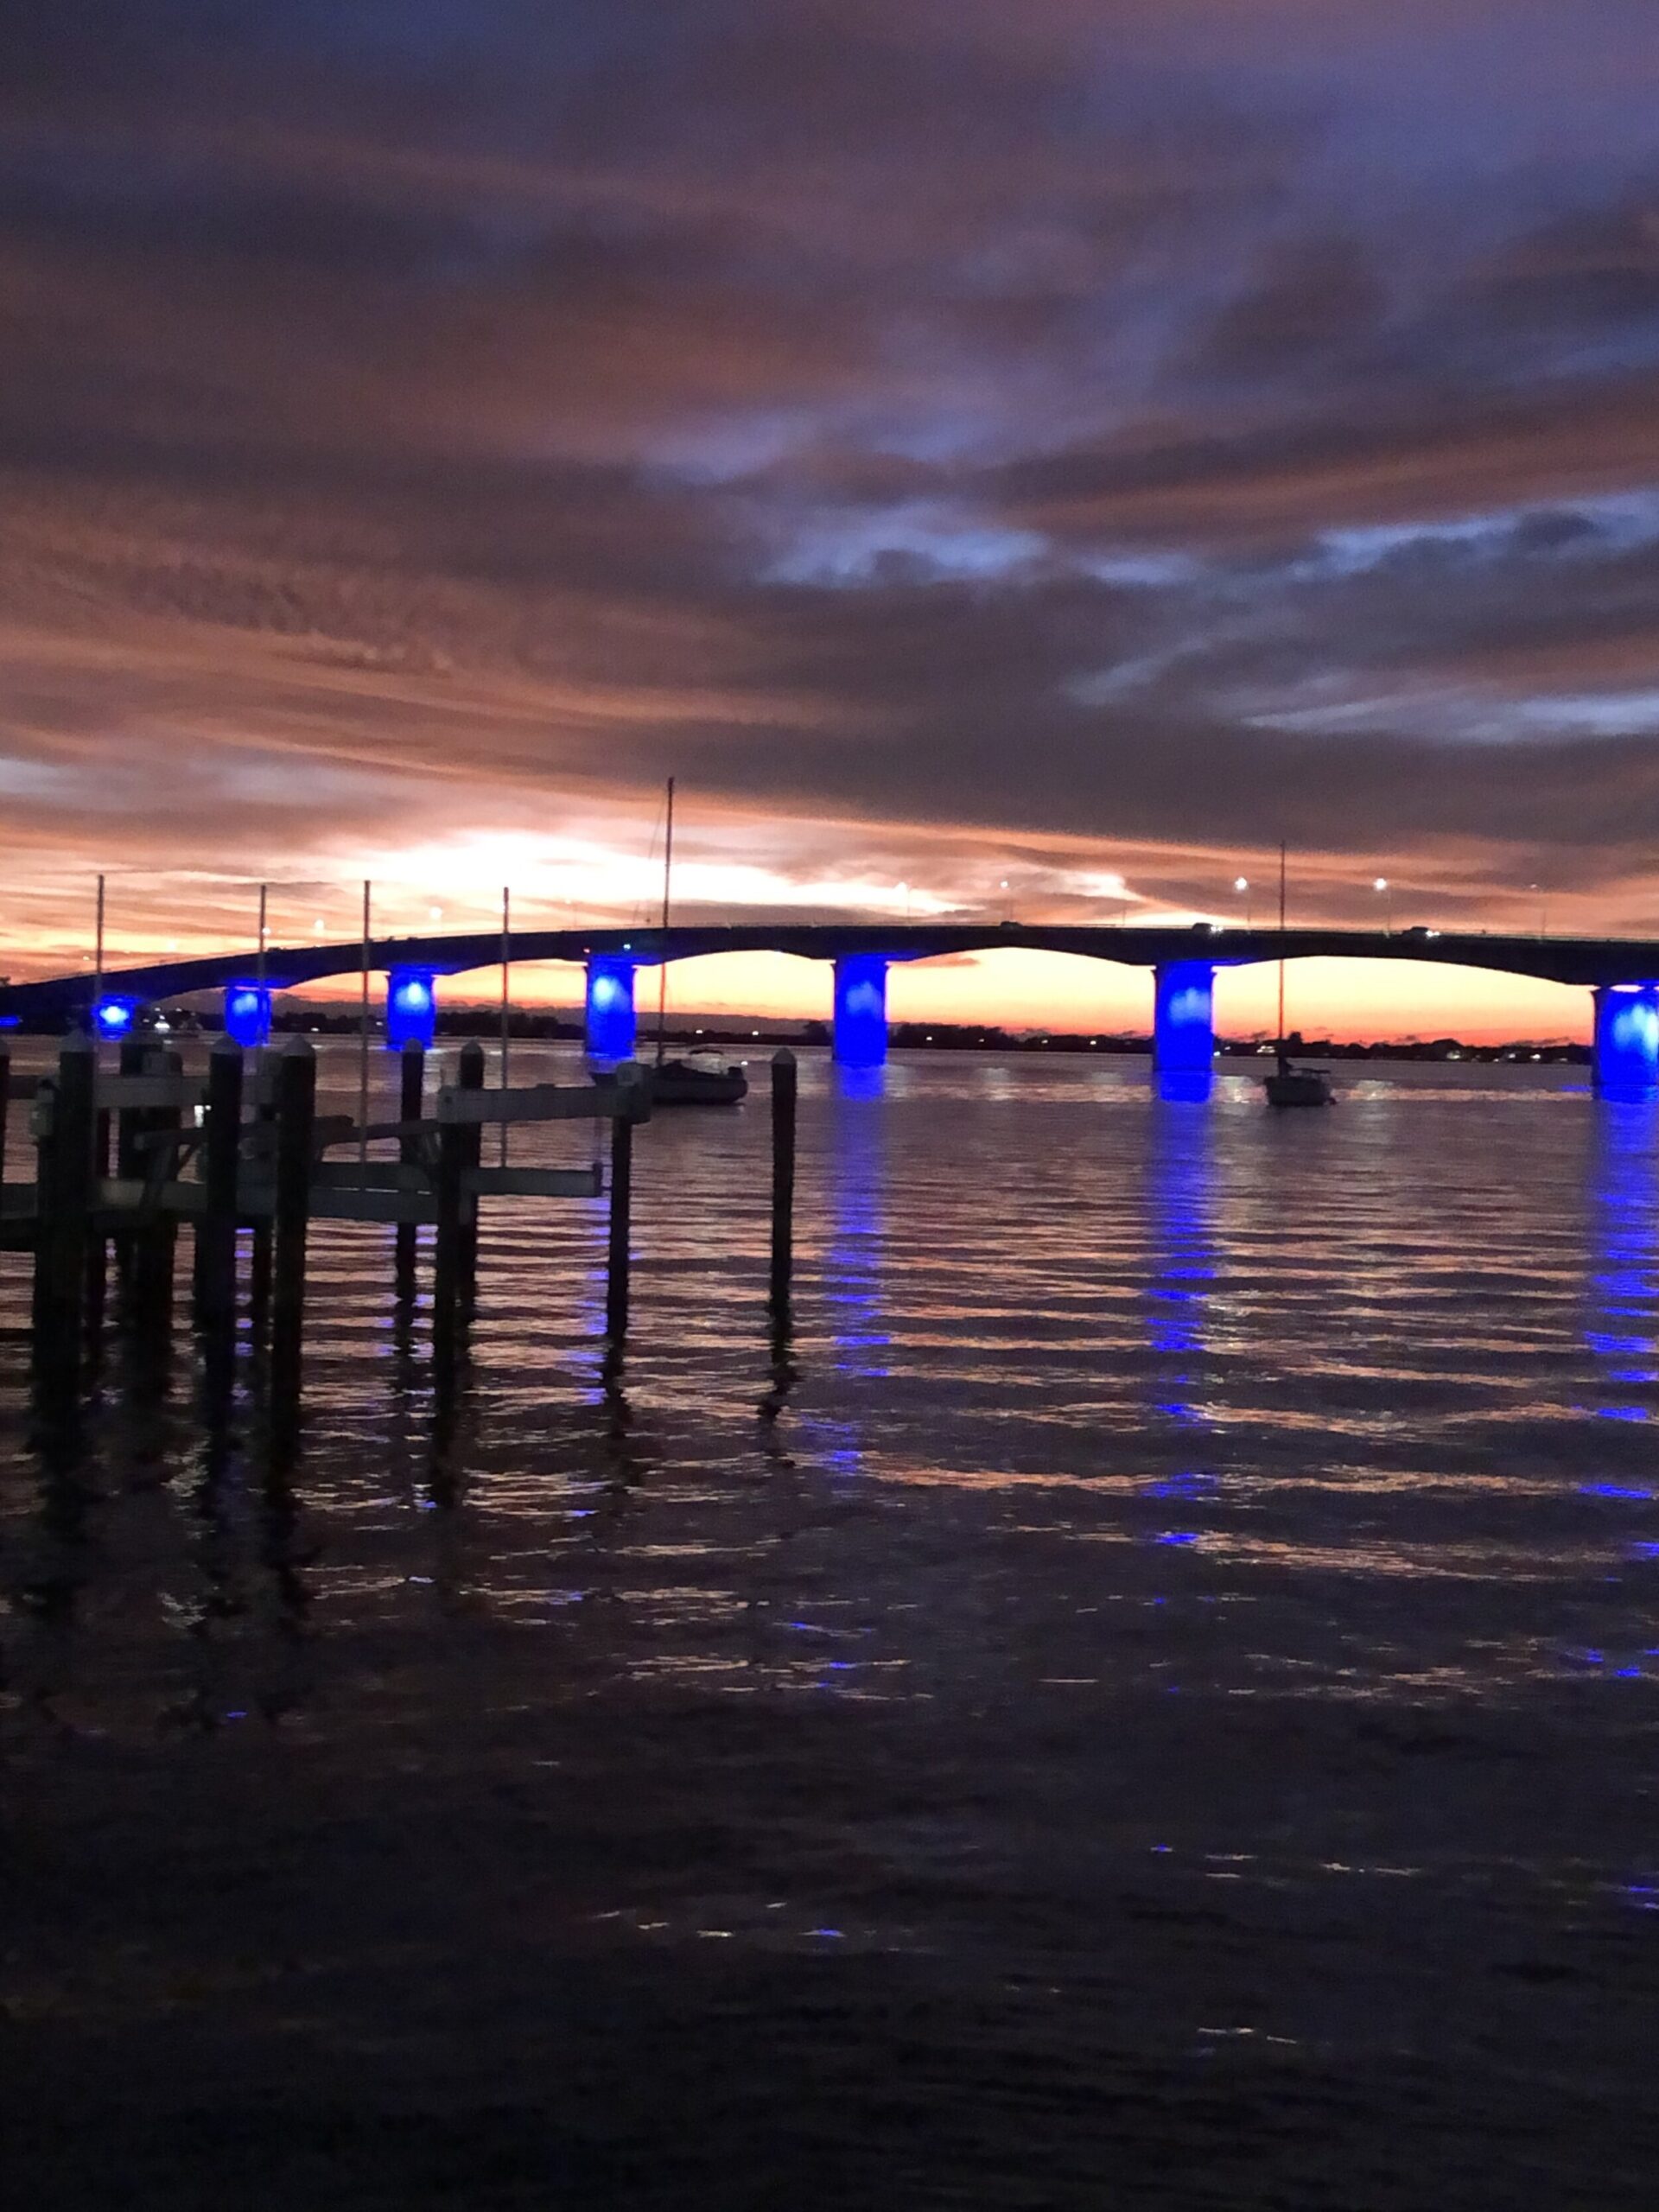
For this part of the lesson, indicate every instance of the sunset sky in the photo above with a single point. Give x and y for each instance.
(1064, 444)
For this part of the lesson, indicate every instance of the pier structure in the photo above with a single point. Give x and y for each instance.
(1623, 974)
(238, 1155)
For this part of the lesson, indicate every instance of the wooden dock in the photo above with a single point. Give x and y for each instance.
(124, 1159)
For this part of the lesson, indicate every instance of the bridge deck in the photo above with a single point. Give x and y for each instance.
(1585, 961)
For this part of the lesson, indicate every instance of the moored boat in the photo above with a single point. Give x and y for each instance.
(698, 1079)
(1294, 1086)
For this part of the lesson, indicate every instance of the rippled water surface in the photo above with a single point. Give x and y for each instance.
(1150, 1696)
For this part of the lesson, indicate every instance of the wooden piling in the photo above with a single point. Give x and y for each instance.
(98, 1245)
(137, 1058)
(259, 1250)
(216, 1225)
(784, 1081)
(297, 1105)
(621, 1221)
(447, 1248)
(64, 1181)
(411, 1090)
(156, 1240)
(470, 1077)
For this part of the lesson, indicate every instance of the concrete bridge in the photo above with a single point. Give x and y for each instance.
(1622, 973)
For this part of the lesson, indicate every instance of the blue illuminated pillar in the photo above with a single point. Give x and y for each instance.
(412, 1008)
(1626, 1060)
(1183, 1029)
(610, 1026)
(247, 1013)
(861, 1010)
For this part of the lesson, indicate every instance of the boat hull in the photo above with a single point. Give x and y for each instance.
(675, 1083)
(1299, 1087)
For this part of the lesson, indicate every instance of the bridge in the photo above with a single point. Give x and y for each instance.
(1622, 973)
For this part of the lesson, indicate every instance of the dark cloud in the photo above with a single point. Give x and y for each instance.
(1319, 298)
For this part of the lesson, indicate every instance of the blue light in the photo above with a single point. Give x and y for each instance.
(1184, 1034)
(412, 1008)
(114, 1017)
(861, 1010)
(1626, 1060)
(611, 1026)
(247, 1014)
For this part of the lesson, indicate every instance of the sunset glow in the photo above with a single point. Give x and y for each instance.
(1082, 451)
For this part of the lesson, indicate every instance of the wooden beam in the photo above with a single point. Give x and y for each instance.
(533, 1182)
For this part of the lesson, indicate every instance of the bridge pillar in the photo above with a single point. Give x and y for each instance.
(412, 1008)
(611, 1025)
(1183, 1027)
(860, 1027)
(1625, 1063)
(247, 1014)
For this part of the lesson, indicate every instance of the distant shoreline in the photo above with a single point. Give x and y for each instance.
(335, 1020)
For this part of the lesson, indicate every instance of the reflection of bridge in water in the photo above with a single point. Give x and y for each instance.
(1622, 972)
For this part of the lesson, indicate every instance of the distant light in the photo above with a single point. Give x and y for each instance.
(1382, 883)
(435, 914)
(318, 927)
(1241, 883)
(901, 888)
(172, 945)
(113, 1017)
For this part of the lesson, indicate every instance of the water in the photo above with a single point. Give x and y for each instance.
(1150, 1698)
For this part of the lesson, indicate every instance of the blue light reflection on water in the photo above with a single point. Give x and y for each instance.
(855, 1302)
(1624, 1276)
(1181, 1274)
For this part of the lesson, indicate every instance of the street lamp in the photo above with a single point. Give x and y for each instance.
(1385, 888)
(904, 892)
(1003, 887)
(1543, 911)
(1241, 885)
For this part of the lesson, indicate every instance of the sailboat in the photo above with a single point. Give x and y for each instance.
(1289, 1085)
(695, 1078)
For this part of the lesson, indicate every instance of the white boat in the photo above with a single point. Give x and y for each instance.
(1289, 1085)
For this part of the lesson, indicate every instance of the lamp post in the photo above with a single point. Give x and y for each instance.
(1543, 909)
(904, 892)
(1003, 887)
(1385, 889)
(1242, 885)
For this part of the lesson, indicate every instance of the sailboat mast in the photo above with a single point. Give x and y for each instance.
(662, 965)
(1281, 952)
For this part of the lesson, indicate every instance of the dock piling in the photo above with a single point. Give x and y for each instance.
(297, 1105)
(412, 1087)
(64, 1182)
(785, 1076)
(470, 1077)
(155, 1239)
(619, 1259)
(446, 1248)
(215, 1269)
